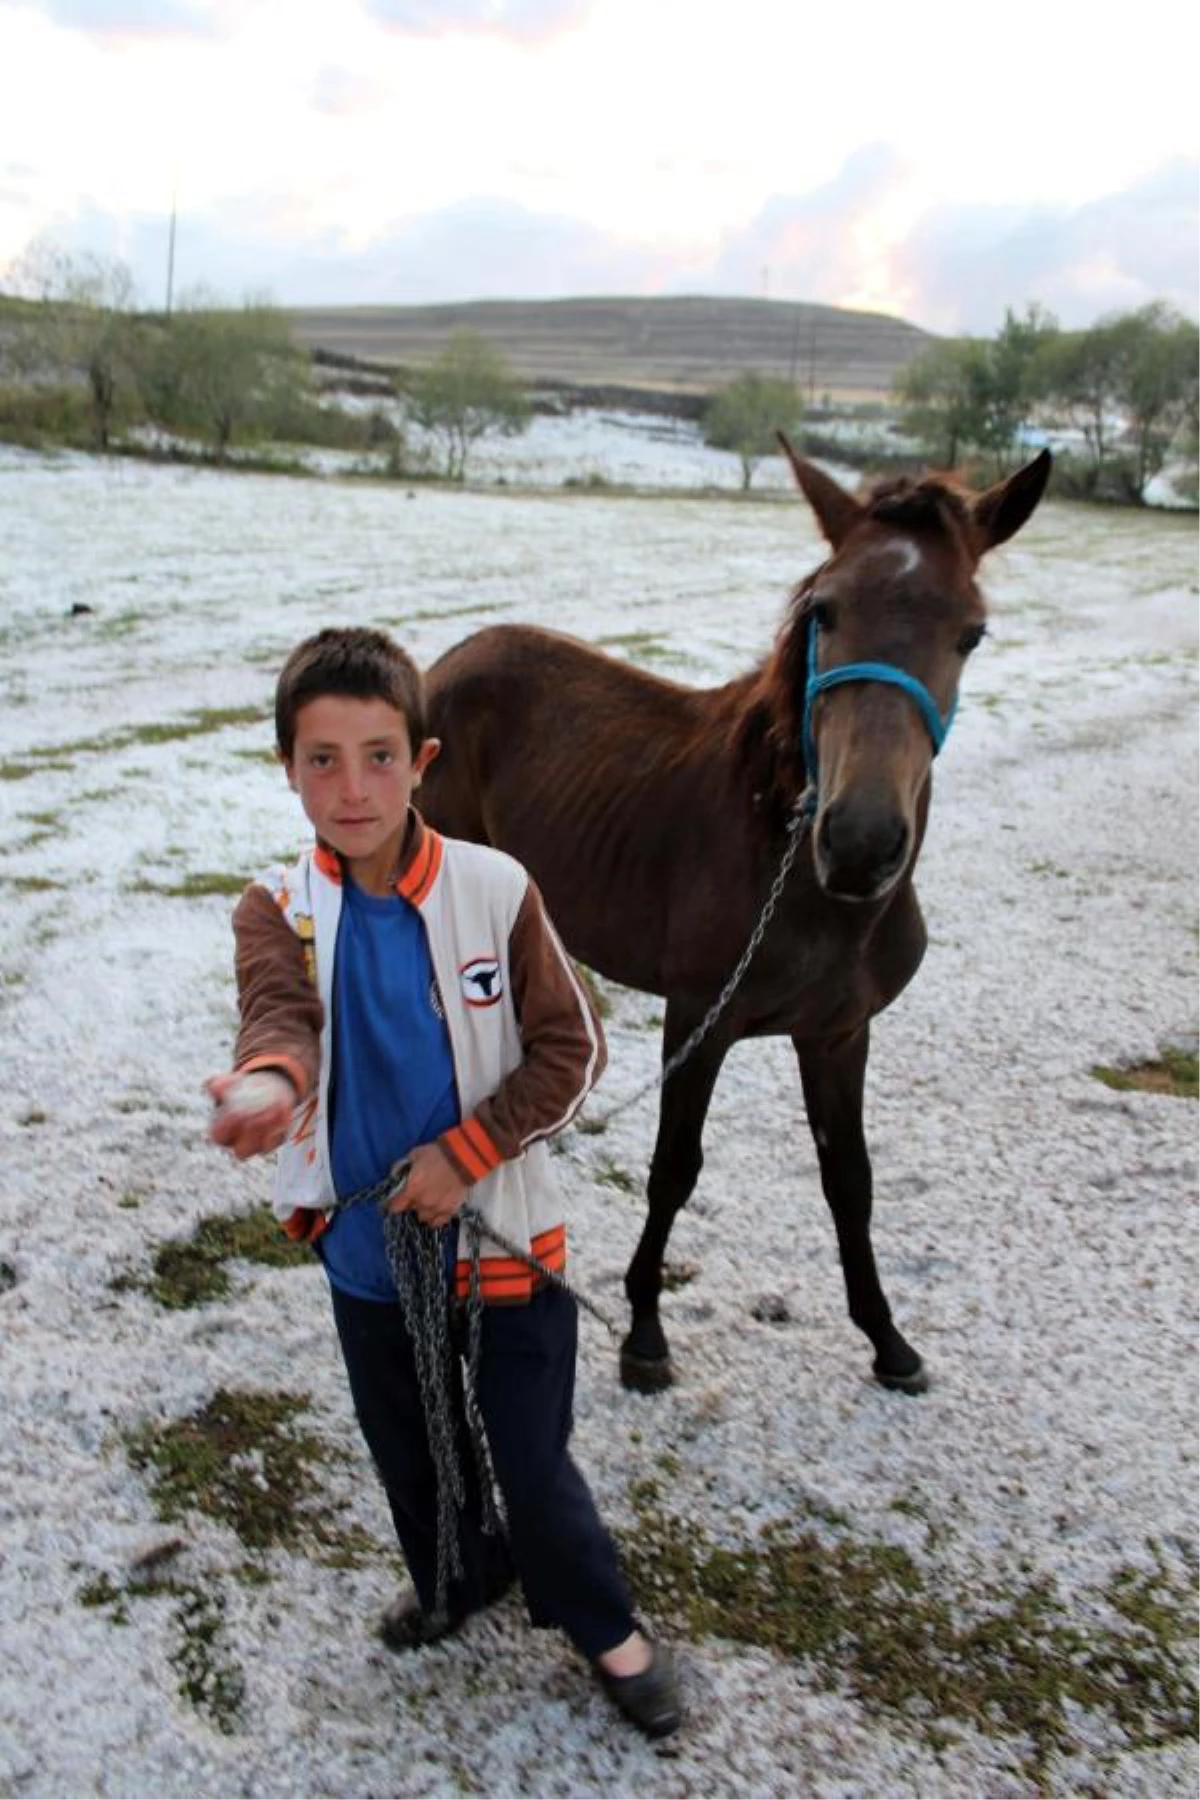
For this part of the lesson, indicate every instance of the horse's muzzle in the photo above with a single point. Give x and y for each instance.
(860, 851)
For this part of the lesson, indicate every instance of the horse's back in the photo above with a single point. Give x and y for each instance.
(516, 707)
(571, 761)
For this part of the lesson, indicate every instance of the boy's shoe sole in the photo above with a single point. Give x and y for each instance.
(649, 1700)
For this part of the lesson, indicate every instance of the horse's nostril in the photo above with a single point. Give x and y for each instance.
(899, 848)
(861, 845)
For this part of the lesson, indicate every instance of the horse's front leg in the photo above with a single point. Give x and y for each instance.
(833, 1077)
(674, 1170)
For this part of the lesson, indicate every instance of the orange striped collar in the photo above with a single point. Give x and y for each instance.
(327, 861)
(423, 860)
(419, 871)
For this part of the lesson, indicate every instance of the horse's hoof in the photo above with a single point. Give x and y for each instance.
(645, 1374)
(916, 1381)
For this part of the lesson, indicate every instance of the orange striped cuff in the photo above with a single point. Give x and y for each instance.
(471, 1150)
(304, 1225)
(504, 1278)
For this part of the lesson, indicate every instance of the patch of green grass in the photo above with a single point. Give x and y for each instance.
(1175, 1071)
(197, 723)
(197, 885)
(244, 1461)
(609, 1174)
(241, 1460)
(640, 646)
(210, 1677)
(33, 884)
(191, 1271)
(119, 625)
(1008, 1662)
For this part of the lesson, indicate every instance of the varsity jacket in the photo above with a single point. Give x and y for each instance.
(526, 1045)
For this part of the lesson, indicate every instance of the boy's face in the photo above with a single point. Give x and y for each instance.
(353, 767)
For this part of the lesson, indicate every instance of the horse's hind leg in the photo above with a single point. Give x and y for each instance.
(833, 1078)
(674, 1170)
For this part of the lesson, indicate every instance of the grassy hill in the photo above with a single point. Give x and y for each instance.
(672, 346)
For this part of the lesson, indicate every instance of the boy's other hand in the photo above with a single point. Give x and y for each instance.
(434, 1189)
(253, 1112)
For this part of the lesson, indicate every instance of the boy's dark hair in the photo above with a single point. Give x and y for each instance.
(357, 662)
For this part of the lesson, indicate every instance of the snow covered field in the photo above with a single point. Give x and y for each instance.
(1035, 1229)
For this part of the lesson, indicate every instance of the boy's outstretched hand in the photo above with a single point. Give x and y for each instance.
(253, 1112)
(433, 1190)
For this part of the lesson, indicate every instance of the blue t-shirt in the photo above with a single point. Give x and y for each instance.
(392, 1086)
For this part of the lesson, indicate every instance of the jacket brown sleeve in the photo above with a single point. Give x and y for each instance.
(281, 1011)
(564, 1047)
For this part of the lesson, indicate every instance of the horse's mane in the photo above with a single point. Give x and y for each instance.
(933, 502)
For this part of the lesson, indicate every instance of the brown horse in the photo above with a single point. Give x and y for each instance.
(654, 817)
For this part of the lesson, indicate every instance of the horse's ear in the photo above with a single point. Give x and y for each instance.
(837, 511)
(1001, 511)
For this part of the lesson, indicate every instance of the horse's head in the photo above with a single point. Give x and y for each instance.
(873, 650)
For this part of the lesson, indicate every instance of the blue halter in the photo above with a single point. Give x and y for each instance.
(935, 725)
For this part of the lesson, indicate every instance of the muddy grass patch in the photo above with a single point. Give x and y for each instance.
(208, 1675)
(193, 1271)
(1175, 1071)
(1010, 1661)
(198, 885)
(246, 1461)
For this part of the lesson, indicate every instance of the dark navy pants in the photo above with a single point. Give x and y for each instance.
(564, 1556)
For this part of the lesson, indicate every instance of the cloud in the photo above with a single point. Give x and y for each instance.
(523, 20)
(962, 265)
(956, 270)
(121, 19)
(479, 248)
(342, 91)
(808, 245)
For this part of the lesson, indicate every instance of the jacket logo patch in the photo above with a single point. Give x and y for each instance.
(480, 981)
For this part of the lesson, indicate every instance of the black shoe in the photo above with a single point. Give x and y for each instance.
(651, 1699)
(406, 1625)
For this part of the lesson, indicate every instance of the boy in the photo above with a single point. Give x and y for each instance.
(404, 997)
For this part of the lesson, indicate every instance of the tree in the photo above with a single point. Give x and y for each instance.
(219, 369)
(745, 415)
(942, 393)
(1082, 371)
(467, 394)
(1009, 382)
(1159, 364)
(84, 326)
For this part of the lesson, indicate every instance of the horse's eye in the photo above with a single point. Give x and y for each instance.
(971, 639)
(821, 614)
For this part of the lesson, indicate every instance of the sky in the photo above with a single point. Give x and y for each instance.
(938, 163)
